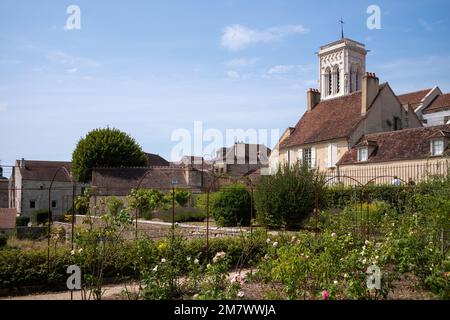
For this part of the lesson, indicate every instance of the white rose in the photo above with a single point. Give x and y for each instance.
(163, 260)
(275, 244)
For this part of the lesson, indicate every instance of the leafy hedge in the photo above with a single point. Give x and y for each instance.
(22, 268)
(231, 206)
(22, 221)
(40, 216)
(396, 196)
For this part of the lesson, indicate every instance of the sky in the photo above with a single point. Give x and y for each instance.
(151, 68)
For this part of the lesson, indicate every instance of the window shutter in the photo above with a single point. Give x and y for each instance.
(313, 157)
(300, 155)
(334, 154)
(330, 155)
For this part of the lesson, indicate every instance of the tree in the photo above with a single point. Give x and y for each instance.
(287, 199)
(105, 148)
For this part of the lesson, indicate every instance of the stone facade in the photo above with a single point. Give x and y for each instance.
(4, 203)
(29, 187)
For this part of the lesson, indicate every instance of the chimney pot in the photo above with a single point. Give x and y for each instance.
(370, 88)
(313, 99)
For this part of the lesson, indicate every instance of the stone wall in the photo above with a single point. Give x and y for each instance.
(4, 203)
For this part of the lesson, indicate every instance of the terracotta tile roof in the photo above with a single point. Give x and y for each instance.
(120, 181)
(413, 97)
(441, 103)
(408, 144)
(44, 170)
(155, 160)
(330, 119)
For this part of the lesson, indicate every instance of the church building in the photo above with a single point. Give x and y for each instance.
(349, 104)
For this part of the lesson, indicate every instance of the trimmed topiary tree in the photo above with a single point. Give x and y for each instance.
(231, 206)
(105, 148)
(287, 199)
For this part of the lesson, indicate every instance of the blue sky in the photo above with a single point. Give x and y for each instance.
(151, 67)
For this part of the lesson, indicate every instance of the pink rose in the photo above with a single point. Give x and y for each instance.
(325, 295)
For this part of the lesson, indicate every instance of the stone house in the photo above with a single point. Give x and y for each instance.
(241, 159)
(351, 103)
(4, 183)
(414, 154)
(29, 187)
(431, 105)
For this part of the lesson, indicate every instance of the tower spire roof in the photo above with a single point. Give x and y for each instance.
(342, 28)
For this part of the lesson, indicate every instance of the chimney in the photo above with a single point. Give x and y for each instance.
(313, 99)
(370, 87)
(22, 163)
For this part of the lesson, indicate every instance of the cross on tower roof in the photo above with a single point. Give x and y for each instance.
(342, 28)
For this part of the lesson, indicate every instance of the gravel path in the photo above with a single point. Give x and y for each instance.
(111, 292)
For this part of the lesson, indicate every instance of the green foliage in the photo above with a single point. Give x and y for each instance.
(82, 202)
(3, 240)
(287, 199)
(22, 221)
(21, 268)
(146, 201)
(105, 148)
(181, 197)
(98, 243)
(231, 206)
(407, 237)
(182, 215)
(40, 216)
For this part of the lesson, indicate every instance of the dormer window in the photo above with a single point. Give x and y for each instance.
(363, 154)
(437, 147)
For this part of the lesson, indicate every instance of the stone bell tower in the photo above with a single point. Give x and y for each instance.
(342, 65)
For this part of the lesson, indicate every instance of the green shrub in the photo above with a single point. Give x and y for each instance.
(21, 268)
(231, 206)
(41, 216)
(181, 197)
(22, 221)
(287, 199)
(182, 215)
(3, 240)
(146, 201)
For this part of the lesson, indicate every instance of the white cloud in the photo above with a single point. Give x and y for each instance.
(242, 62)
(237, 37)
(285, 69)
(280, 69)
(3, 107)
(235, 75)
(425, 25)
(72, 70)
(71, 61)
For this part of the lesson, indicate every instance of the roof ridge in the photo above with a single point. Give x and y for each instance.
(440, 127)
(412, 92)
